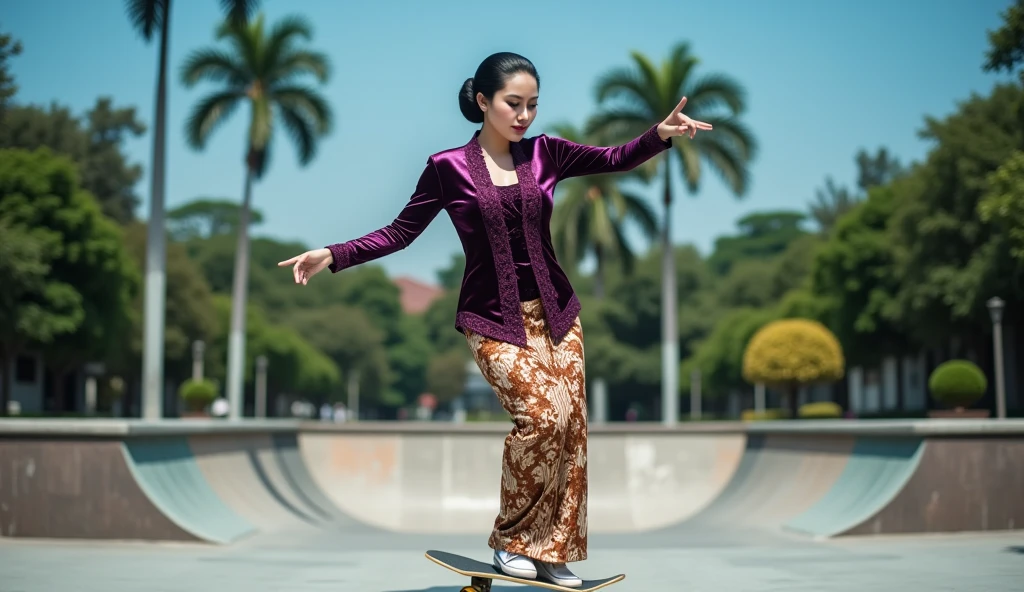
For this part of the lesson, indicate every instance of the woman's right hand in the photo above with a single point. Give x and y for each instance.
(308, 264)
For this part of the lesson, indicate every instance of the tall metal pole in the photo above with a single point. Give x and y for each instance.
(156, 250)
(261, 386)
(995, 309)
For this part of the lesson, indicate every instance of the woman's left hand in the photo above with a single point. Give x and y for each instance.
(677, 124)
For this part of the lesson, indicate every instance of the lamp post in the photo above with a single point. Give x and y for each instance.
(261, 387)
(198, 347)
(995, 310)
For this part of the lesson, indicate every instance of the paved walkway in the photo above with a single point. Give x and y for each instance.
(291, 562)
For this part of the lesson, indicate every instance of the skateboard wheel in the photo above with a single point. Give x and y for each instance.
(469, 589)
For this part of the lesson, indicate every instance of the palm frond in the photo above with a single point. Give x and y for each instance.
(297, 63)
(279, 43)
(214, 65)
(616, 126)
(307, 103)
(637, 211)
(628, 87)
(731, 132)
(239, 11)
(301, 132)
(246, 41)
(209, 113)
(146, 16)
(731, 167)
(711, 91)
(690, 159)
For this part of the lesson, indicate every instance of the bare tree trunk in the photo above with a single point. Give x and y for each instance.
(239, 289)
(5, 389)
(669, 328)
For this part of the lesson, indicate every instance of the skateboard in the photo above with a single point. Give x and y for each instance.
(482, 573)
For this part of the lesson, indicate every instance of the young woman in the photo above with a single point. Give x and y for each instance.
(516, 308)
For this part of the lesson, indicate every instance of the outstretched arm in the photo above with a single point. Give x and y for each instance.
(574, 160)
(421, 209)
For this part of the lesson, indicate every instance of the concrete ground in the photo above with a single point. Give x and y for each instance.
(717, 561)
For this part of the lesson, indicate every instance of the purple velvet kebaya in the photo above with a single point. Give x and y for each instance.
(457, 181)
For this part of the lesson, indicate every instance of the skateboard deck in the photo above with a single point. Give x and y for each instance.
(482, 574)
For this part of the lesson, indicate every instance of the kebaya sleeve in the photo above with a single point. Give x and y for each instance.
(575, 160)
(424, 205)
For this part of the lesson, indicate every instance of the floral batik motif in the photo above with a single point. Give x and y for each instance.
(543, 502)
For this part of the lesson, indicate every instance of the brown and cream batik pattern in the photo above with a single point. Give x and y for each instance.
(543, 511)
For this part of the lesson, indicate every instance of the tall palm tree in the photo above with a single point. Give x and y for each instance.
(590, 217)
(261, 70)
(635, 98)
(146, 16)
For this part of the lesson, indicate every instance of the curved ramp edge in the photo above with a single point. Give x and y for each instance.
(959, 485)
(80, 489)
(291, 465)
(779, 477)
(167, 471)
(235, 469)
(877, 470)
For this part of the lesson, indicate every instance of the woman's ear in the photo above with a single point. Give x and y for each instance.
(481, 101)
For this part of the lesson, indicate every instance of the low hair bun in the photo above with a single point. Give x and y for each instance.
(467, 103)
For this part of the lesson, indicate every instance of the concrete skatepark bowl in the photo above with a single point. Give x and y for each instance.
(368, 498)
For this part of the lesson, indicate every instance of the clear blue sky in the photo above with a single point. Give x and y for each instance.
(824, 78)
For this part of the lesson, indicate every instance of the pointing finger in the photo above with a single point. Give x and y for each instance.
(681, 104)
(288, 262)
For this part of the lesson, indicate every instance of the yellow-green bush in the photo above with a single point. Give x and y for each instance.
(957, 383)
(792, 352)
(820, 410)
(766, 415)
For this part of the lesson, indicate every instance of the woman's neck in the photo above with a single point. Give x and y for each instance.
(493, 143)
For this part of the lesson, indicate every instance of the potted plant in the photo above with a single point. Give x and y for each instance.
(197, 396)
(956, 385)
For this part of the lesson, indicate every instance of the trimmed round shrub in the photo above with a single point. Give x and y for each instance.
(957, 383)
(197, 394)
(820, 410)
(791, 352)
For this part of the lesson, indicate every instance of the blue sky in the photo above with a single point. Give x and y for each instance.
(824, 79)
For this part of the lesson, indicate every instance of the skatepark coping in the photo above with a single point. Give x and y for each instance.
(185, 427)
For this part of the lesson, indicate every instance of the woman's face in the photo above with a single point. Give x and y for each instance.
(513, 108)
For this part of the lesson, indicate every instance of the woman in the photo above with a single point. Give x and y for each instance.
(516, 308)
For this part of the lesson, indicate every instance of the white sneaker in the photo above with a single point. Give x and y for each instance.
(515, 565)
(558, 573)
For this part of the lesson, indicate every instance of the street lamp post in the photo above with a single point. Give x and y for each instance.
(995, 310)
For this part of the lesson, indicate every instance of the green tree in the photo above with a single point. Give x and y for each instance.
(9, 47)
(634, 99)
(206, 217)
(147, 17)
(949, 261)
(1003, 204)
(1006, 44)
(260, 70)
(191, 314)
(761, 236)
(33, 307)
(94, 142)
(446, 375)
(90, 280)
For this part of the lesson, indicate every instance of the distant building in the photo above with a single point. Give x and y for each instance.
(417, 296)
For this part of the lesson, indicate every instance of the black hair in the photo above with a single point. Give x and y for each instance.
(490, 77)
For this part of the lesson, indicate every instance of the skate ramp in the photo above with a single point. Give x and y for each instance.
(449, 482)
(167, 472)
(243, 473)
(915, 485)
(78, 489)
(779, 476)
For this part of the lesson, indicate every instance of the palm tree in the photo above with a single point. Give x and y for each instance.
(831, 203)
(642, 96)
(146, 16)
(590, 217)
(261, 70)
